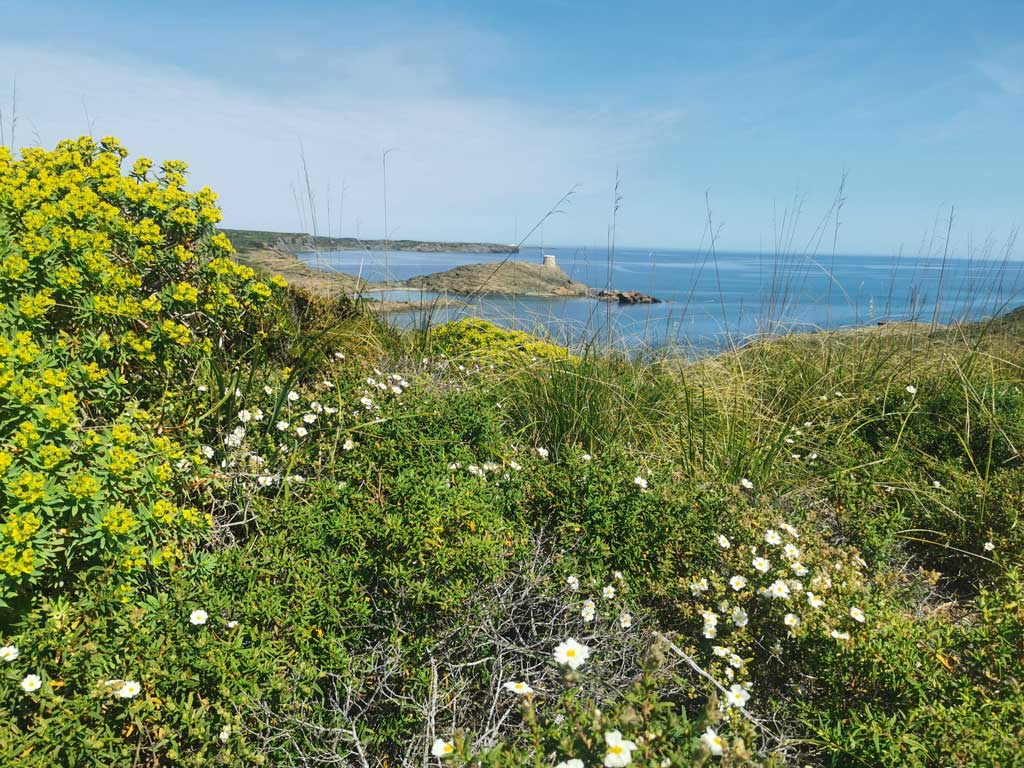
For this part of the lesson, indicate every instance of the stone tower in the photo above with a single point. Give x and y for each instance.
(549, 260)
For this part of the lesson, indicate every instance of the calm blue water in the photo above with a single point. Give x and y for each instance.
(708, 300)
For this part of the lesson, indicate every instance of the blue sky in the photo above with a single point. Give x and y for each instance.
(495, 109)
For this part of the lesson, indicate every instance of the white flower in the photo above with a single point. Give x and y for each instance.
(267, 389)
(761, 564)
(936, 484)
(282, 425)
(625, 621)
(723, 541)
(234, 439)
(232, 624)
(129, 689)
(573, 763)
(542, 452)
(620, 750)
(710, 631)
(515, 465)
(837, 635)
(265, 481)
(771, 536)
(857, 614)
(608, 592)
(779, 589)
(814, 600)
(588, 612)
(735, 661)
(339, 355)
(746, 484)
(474, 470)
(198, 617)
(791, 552)
(201, 387)
(573, 583)
(701, 585)
(586, 457)
(301, 431)
(640, 483)
(911, 389)
(571, 653)
(989, 546)
(348, 445)
(244, 416)
(366, 402)
(737, 695)
(712, 741)
(9, 653)
(518, 687)
(791, 620)
(617, 575)
(737, 583)
(720, 651)
(225, 733)
(31, 683)
(442, 748)
(293, 396)
(207, 451)
(739, 617)
(309, 418)
(799, 569)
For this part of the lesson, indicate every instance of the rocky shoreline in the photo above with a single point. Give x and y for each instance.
(504, 278)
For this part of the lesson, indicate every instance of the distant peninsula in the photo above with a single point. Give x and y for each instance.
(297, 242)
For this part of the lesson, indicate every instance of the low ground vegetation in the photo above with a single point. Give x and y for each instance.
(242, 526)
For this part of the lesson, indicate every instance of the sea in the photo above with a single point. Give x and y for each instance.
(708, 300)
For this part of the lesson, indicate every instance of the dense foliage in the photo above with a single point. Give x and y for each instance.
(243, 526)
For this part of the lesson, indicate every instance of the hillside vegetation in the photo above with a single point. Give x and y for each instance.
(243, 526)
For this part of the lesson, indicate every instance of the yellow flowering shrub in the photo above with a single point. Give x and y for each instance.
(113, 287)
(482, 341)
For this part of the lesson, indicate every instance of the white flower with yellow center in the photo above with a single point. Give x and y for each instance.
(738, 617)
(989, 546)
(518, 687)
(625, 621)
(791, 620)
(713, 741)
(737, 695)
(571, 653)
(9, 653)
(723, 541)
(620, 750)
(815, 601)
(771, 536)
(198, 617)
(791, 552)
(737, 583)
(640, 483)
(442, 748)
(573, 763)
(761, 564)
(542, 452)
(699, 586)
(129, 689)
(608, 592)
(31, 683)
(837, 635)
(799, 569)
(857, 614)
(779, 589)
(746, 484)
(348, 445)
